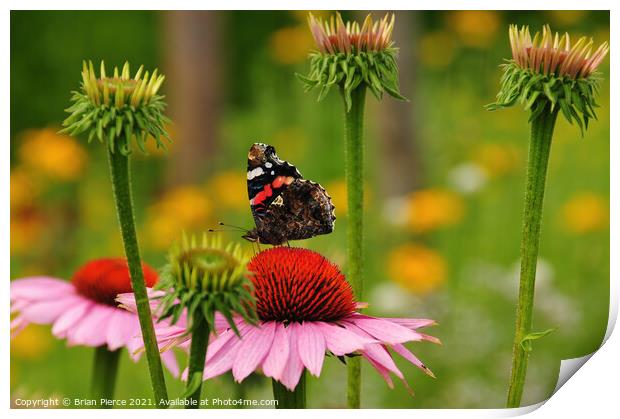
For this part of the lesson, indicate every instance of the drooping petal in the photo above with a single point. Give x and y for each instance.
(382, 357)
(413, 323)
(385, 330)
(254, 347)
(40, 288)
(92, 329)
(224, 359)
(311, 347)
(405, 353)
(121, 329)
(384, 372)
(170, 361)
(294, 367)
(47, 311)
(71, 317)
(341, 341)
(275, 361)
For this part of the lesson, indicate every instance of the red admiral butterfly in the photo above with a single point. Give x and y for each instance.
(285, 206)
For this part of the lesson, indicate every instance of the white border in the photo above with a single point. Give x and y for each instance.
(593, 391)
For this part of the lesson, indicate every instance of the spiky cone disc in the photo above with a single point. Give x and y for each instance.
(209, 277)
(119, 109)
(548, 72)
(348, 56)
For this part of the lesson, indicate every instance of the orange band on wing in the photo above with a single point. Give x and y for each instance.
(262, 195)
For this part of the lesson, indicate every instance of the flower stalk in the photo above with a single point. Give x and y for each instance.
(197, 355)
(119, 110)
(121, 185)
(105, 368)
(538, 158)
(354, 57)
(354, 177)
(547, 75)
(287, 399)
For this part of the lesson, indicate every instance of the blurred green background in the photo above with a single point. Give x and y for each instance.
(444, 187)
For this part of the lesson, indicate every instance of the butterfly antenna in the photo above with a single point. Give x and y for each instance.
(234, 227)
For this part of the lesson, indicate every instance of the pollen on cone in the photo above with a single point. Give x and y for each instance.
(293, 284)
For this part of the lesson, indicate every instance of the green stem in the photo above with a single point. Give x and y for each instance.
(354, 174)
(105, 367)
(197, 355)
(295, 399)
(538, 158)
(121, 185)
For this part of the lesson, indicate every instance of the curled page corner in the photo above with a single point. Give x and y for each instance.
(568, 367)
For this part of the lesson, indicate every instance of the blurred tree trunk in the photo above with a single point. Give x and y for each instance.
(194, 69)
(400, 160)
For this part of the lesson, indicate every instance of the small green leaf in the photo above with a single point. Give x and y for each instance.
(526, 342)
(193, 383)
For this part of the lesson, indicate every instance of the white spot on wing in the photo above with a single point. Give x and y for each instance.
(268, 165)
(255, 172)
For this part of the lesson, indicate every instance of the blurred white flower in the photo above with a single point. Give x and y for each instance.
(391, 299)
(396, 211)
(467, 177)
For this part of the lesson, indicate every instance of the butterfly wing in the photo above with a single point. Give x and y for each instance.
(267, 177)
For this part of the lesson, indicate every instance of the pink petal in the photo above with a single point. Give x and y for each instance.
(71, 317)
(121, 329)
(219, 344)
(128, 301)
(222, 362)
(294, 367)
(384, 372)
(405, 353)
(170, 361)
(384, 330)
(381, 356)
(413, 323)
(40, 288)
(275, 361)
(311, 346)
(91, 330)
(47, 311)
(341, 341)
(221, 354)
(253, 348)
(17, 325)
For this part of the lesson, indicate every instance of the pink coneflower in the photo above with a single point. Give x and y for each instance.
(306, 309)
(335, 36)
(84, 310)
(551, 54)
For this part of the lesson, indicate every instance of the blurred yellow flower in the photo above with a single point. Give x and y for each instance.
(229, 190)
(430, 209)
(59, 157)
(476, 28)
(436, 49)
(23, 189)
(585, 213)
(337, 190)
(497, 159)
(31, 343)
(416, 268)
(182, 208)
(291, 45)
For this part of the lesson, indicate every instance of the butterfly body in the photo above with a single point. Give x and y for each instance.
(285, 206)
